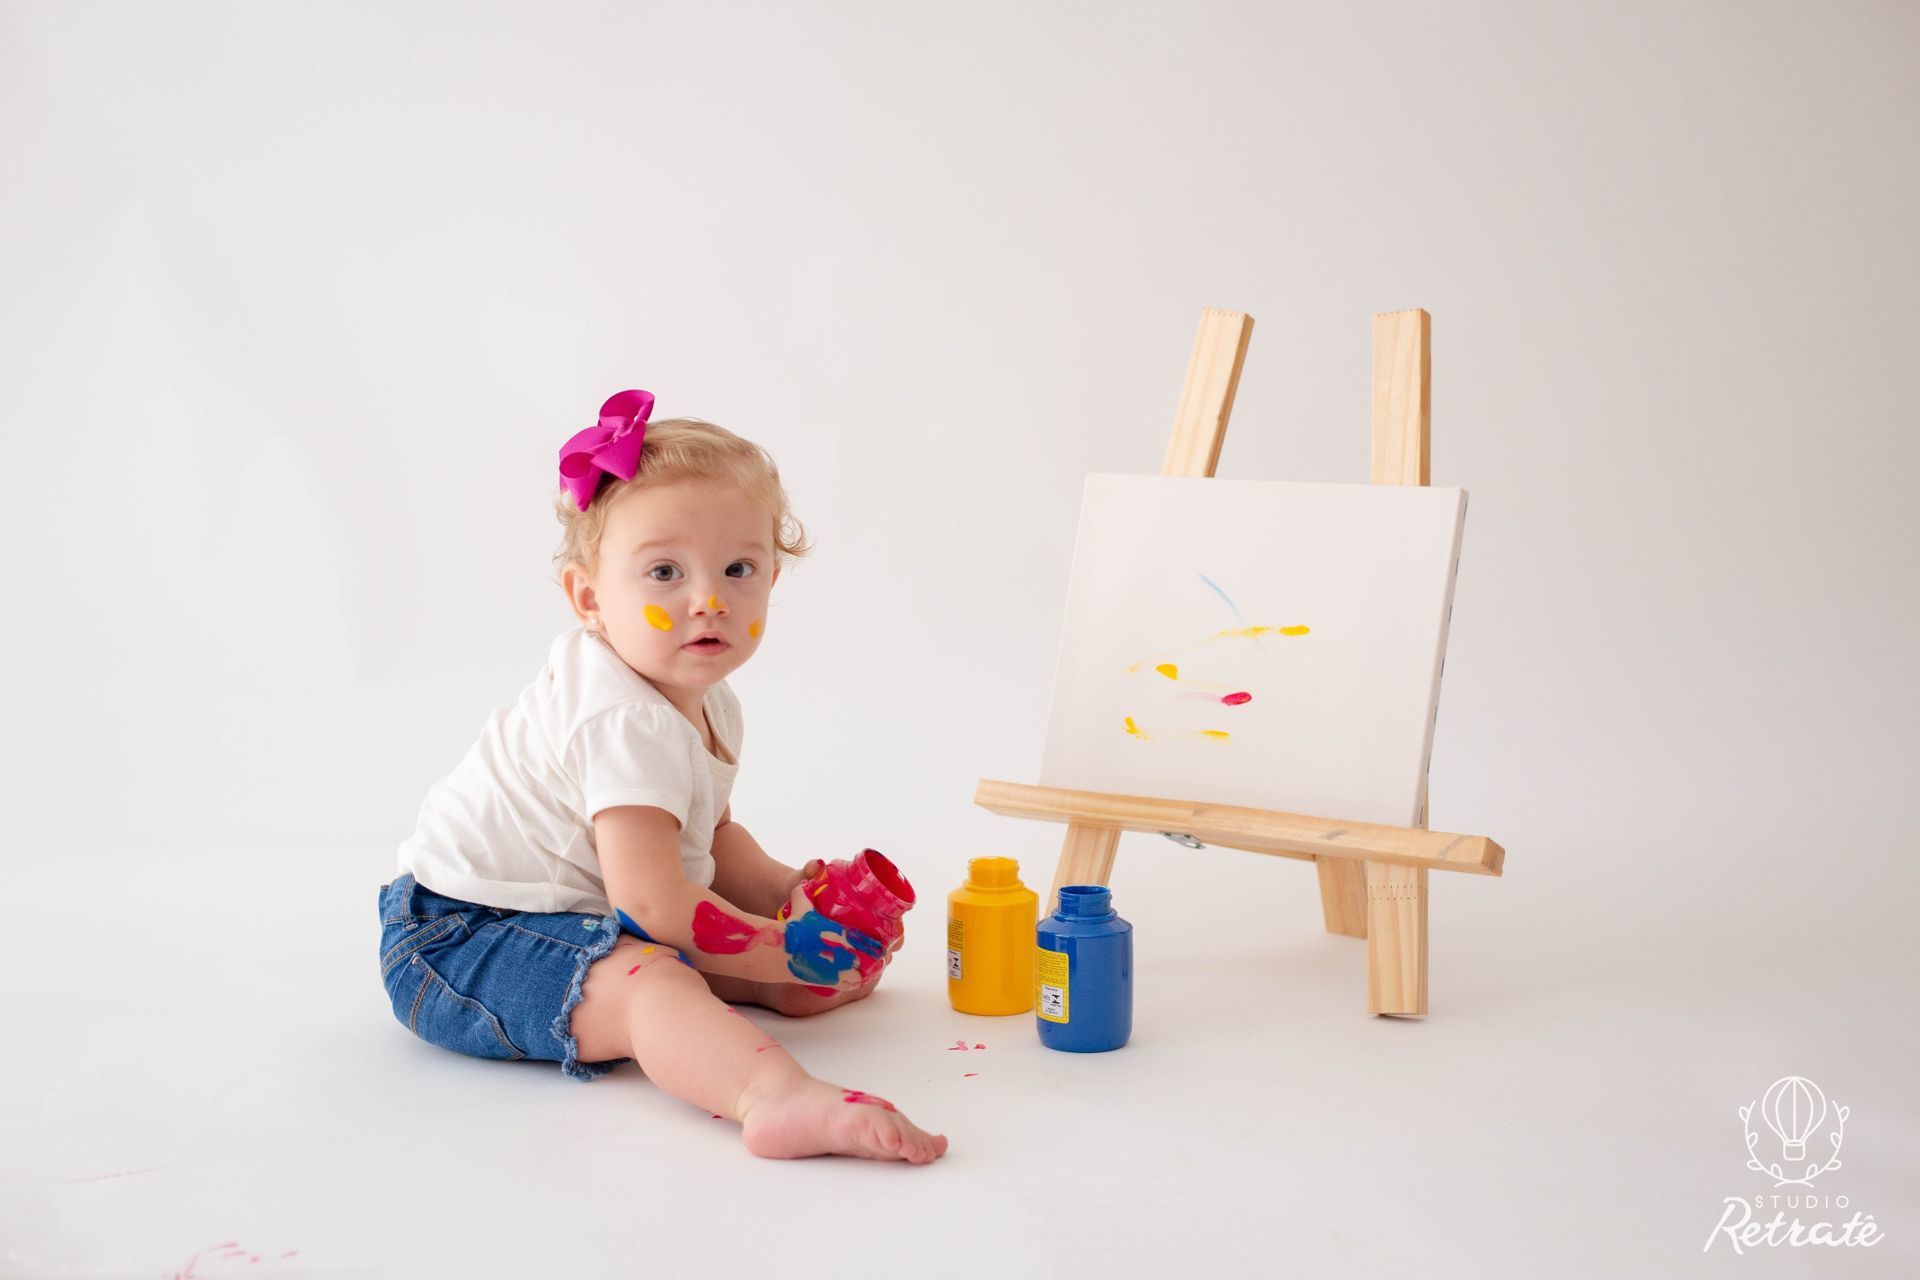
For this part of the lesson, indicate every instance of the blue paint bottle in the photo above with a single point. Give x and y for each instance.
(1083, 965)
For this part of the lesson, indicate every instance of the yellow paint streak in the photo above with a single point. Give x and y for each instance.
(1170, 670)
(1222, 734)
(753, 629)
(645, 950)
(1133, 728)
(1250, 632)
(658, 618)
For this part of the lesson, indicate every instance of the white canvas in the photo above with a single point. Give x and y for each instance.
(1325, 605)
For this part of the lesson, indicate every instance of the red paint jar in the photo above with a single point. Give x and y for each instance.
(867, 893)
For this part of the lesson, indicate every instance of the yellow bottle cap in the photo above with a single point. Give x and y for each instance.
(993, 873)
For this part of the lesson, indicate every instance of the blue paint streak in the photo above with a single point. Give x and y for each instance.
(626, 922)
(1243, 619)
(814, 960)
(1223, 595)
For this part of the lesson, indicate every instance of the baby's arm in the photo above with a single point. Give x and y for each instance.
(744, 873)
(639, 848)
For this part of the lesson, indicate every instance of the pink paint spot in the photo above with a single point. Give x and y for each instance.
(854, 1095)
(1236, 699)
(633, 971)
(957, 1044)
(970, 1075)
(719, 934)
(763, 1048)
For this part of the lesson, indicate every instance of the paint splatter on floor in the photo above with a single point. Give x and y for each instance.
(226, 1251)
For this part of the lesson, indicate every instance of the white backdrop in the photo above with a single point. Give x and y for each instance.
(299, 302)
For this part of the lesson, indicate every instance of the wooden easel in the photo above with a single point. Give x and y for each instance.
(1373, 878)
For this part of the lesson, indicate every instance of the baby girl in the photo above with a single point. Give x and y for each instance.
(601, 799)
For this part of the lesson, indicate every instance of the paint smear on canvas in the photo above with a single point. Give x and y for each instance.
(1226, 695)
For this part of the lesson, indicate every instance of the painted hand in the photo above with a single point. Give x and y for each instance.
(825, 953)
(801, 877)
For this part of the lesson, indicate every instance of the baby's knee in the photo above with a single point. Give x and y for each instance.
(656, 962)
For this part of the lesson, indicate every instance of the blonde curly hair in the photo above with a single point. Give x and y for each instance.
(681, 449)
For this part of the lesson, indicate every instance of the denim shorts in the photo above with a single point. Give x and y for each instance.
(488, 982)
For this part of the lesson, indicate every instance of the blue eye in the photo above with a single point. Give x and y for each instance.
(747, 565)
(654, 572)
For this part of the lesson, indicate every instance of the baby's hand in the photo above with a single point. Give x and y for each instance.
(822, 952)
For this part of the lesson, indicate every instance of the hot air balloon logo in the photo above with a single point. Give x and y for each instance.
(1797, 1112)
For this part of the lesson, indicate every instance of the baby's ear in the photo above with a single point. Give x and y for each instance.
(578, 590)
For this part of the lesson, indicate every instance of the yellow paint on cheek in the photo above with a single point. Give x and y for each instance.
(754, 629)
(658, 618)
(1170, 670)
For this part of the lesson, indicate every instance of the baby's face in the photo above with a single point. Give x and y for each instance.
(681, 590)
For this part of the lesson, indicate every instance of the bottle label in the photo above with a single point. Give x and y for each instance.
(1051, 969)
(956, 943)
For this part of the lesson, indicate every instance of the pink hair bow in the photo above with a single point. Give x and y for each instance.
(611, 447)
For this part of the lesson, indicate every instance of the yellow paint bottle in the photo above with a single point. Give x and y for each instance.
(990, 933)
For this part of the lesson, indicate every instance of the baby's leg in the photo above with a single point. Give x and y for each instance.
(640, 1001)
(789, 998)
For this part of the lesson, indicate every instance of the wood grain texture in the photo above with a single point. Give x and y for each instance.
(1206, 398)
(1396, 901)
(1286, 835)
(1085, 858)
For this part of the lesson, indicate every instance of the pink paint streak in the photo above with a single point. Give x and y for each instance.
(719, 934)
(1236, 699)
(854, 1095)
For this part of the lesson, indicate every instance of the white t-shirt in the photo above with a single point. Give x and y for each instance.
(512, 825)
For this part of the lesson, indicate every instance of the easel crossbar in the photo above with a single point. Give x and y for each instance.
(1288, 835)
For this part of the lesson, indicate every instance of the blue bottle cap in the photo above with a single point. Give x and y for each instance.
(1084, 901)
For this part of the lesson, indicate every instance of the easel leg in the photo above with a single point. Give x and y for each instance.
(1085, 858)
(1396, 938)
(1343, 896)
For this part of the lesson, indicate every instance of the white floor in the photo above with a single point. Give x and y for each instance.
(204, 1079)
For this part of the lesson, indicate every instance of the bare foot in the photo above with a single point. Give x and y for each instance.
(809, 1117)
